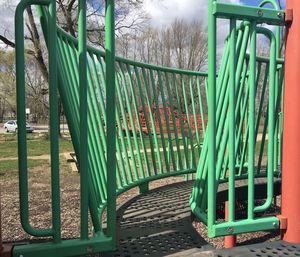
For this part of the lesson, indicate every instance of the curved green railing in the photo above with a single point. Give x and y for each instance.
(132, 123)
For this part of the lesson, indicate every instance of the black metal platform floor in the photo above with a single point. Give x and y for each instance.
(158, 223)
(271, 249)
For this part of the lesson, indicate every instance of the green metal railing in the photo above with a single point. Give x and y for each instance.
(235, 106)
(22, 146)
(132, 123)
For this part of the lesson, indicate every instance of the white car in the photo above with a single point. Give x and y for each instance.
(12, 126)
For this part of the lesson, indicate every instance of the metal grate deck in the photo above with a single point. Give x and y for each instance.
(158, 223)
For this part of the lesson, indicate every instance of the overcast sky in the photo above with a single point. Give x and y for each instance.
(161, 12)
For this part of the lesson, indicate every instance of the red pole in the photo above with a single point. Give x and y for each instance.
(229, 241)
(291, 129)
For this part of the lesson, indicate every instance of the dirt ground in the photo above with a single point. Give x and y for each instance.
(40, 204)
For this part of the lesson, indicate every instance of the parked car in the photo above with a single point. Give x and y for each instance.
(12, 126)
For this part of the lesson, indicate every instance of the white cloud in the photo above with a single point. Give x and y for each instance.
(7, 14)
(164, 12)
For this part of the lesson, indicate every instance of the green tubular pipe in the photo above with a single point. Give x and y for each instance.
(83, 155)
(201, 106)
(271, 117)
(73, 64)
(101, 91)
(99, 111)
(96, 151)
(123, 180)
(139, 119)
(166, 117)
(241, 53)
(148, 126)
(220, 139)
(222, 94)
(22, 143)
(54, 147)
(194, 116)
(72, 53)
(174, 122)
(211, 217)
(231, 145)
(180, 119)
(131, 120)
(251, 127)
(159, 121)
(132, 126)
(239, 125)
(153, 127)
(190, 136)
(124, 148)
(136, 112)
(110, 117)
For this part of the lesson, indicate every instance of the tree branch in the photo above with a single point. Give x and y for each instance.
(7, 41)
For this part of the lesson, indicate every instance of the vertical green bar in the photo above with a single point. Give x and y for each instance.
(83, 156)
(212, 117)
(231, 143)
(54, 123)
(111, 117)
(251, 126)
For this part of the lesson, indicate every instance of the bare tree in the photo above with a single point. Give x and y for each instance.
(181, 45)
(129, 17)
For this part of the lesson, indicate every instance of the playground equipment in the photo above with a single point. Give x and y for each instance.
(229, 101)
(107, 102)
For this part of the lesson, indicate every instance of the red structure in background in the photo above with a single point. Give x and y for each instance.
(291, 130)
(182, 121)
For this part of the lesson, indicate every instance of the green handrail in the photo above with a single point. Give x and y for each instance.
(22, 145)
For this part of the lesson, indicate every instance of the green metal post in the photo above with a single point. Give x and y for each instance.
(251, 127)
(110, 117)
(231, 145)
(83, 153)
(212, 116)
(53, 97)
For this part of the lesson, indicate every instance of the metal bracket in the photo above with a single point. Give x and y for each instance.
(6, 251)
(282, 222)
(288, 15)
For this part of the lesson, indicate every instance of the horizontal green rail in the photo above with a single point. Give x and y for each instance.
(251, 13)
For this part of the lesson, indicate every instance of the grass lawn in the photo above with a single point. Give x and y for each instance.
(12, 165)
(35, 146)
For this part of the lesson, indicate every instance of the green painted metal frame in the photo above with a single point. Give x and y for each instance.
(98, 91)
(85, 245)
(21, 104)
(104, 97)
(224, 98)
(251, 13)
